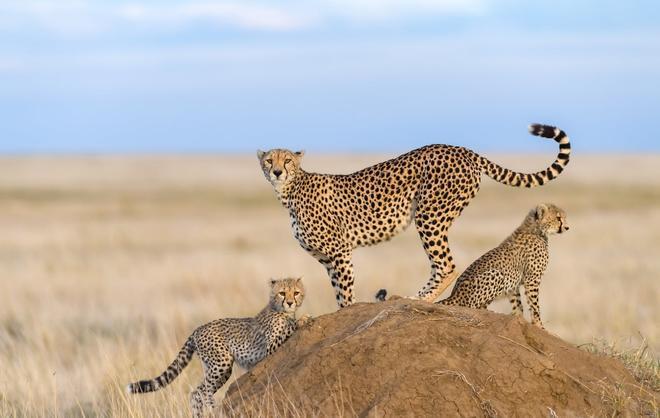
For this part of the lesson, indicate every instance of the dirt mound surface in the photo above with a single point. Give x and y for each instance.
(404, 358)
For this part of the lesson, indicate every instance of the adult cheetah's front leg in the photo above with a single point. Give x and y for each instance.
(516, 303)
(340, 270)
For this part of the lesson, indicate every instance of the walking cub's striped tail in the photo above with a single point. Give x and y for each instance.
(173, 370)
(516, 179)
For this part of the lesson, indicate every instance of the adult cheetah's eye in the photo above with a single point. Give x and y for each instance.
(269, 161)
(287, 161)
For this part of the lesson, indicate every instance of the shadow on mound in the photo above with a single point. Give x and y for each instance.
(403, 358)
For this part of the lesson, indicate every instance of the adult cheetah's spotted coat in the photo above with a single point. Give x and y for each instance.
(333, 214)
(246, 341)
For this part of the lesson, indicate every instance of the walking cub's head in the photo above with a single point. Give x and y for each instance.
(550, 219)
(286, 295)
(280, 165)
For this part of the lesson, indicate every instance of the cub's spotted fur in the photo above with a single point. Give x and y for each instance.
(222, 342)
(520, 260)
(333, 214)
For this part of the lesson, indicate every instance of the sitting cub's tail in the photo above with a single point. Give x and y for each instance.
(381, 295)
(516, 179)
(173, 370)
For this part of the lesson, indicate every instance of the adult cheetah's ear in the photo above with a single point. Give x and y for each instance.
(540, 211)
(260, 154)
(299, 154)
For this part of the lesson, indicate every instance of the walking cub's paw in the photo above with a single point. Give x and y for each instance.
(304, 320)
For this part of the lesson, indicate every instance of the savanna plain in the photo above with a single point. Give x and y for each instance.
(109, 262)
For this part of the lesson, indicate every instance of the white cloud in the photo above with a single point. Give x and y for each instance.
(241, 15)
(71, 17)
(65, 17)
(400, 9)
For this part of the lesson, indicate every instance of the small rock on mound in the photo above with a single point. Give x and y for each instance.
(404, 358)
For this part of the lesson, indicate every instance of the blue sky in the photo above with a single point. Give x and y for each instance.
(330, 75)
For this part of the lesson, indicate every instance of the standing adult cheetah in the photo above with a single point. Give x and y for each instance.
(520, 260)
(333, 214)
(246, 341)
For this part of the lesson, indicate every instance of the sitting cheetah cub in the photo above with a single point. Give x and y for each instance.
(520, 260)
(244, 340)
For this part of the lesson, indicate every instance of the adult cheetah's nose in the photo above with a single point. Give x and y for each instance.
(277, 173)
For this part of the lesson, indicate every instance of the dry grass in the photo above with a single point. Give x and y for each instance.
(109, 262)
(639, 361)
(644, 367)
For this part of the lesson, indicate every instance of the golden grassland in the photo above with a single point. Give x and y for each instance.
(108, 263)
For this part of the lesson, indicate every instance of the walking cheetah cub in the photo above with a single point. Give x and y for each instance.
(520, 260)
(246, 341)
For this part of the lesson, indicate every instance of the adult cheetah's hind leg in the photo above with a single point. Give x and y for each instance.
(216, 374)
(433, 219)
(432, 229)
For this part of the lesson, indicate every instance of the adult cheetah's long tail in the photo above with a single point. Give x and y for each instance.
(173, 370)
(516, 179)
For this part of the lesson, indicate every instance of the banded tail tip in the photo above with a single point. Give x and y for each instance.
(142, 386)
(546, 131)
(381, 295)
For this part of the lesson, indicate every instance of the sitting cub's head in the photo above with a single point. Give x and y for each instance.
(286, 295)
(550, 218)
(279, 165)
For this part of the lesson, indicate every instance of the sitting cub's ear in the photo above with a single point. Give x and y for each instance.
(260, 154)
(272, 281)
(299, 154)
(540, 211)
(299, 280)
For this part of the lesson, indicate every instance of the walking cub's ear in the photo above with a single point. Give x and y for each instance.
(272, 282)
(260, 154)
(540, 211)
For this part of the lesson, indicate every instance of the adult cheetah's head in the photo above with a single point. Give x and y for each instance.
(280, 165)
(286, 295)
(550, 218)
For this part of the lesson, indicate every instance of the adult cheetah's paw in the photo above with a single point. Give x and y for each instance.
(538, 324)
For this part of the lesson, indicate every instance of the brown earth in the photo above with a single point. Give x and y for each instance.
(405, 358)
